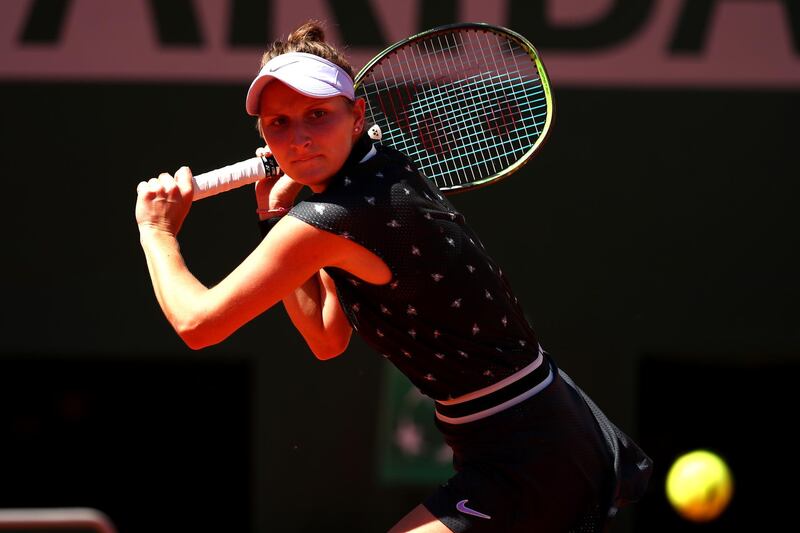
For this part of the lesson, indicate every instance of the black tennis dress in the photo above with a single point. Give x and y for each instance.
(530, 450)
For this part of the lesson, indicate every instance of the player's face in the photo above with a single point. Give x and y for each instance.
(309, 137)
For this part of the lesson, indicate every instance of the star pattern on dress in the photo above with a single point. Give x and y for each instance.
(424, 223)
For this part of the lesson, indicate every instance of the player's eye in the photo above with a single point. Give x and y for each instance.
(318, 113)
(276, 122)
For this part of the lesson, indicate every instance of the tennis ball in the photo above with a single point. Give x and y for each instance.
(699, 485)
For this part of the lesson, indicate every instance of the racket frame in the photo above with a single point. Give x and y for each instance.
(484, 27)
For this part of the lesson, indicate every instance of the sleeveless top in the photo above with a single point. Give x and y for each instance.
(448, 318)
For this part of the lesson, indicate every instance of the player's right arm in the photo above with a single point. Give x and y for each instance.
(285, 260)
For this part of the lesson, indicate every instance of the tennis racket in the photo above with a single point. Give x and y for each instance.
(469, 103)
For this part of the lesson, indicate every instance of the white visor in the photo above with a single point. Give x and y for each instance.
(307, 74)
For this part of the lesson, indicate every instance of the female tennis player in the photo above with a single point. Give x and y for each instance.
(376, 248)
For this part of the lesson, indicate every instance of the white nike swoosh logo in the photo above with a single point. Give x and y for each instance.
(462, 506)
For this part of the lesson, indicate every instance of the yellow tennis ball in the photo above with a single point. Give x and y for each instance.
(699, 485)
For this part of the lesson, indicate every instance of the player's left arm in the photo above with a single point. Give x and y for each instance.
(316, 313)
(313, 307)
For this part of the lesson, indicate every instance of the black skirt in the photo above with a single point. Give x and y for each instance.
(553, 463)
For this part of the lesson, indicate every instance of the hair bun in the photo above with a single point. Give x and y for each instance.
(311, 31)
(309, 38)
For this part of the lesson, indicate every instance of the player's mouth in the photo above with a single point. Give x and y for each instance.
(306, 159)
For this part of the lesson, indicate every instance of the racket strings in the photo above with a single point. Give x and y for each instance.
(528, 97)
(465, 106)
(437, 114)
(522, 136)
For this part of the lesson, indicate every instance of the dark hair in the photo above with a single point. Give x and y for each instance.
(310, 39)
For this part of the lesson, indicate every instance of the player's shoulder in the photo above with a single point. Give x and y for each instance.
(301, 231)
(396, 159)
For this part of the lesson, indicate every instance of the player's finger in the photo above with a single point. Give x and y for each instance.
(166, 179)
(168, 183)
(155, 185)
(263, 151)
(183, 179)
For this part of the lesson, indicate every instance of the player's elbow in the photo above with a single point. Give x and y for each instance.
(332, 347)
(194, 342)
(193, 338)
(323, 354)
(327, 351)
(196, 333)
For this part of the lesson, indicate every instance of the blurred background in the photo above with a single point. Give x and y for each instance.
(653, 243)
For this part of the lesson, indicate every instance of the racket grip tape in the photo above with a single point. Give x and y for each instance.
(234, 176)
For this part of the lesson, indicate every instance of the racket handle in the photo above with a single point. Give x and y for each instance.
(233, 176)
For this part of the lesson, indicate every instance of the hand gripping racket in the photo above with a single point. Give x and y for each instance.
(470, 103)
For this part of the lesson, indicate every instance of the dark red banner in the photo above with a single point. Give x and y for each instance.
(716, 43)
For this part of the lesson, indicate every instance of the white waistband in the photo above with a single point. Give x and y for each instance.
(500, 407)
(499, 385)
